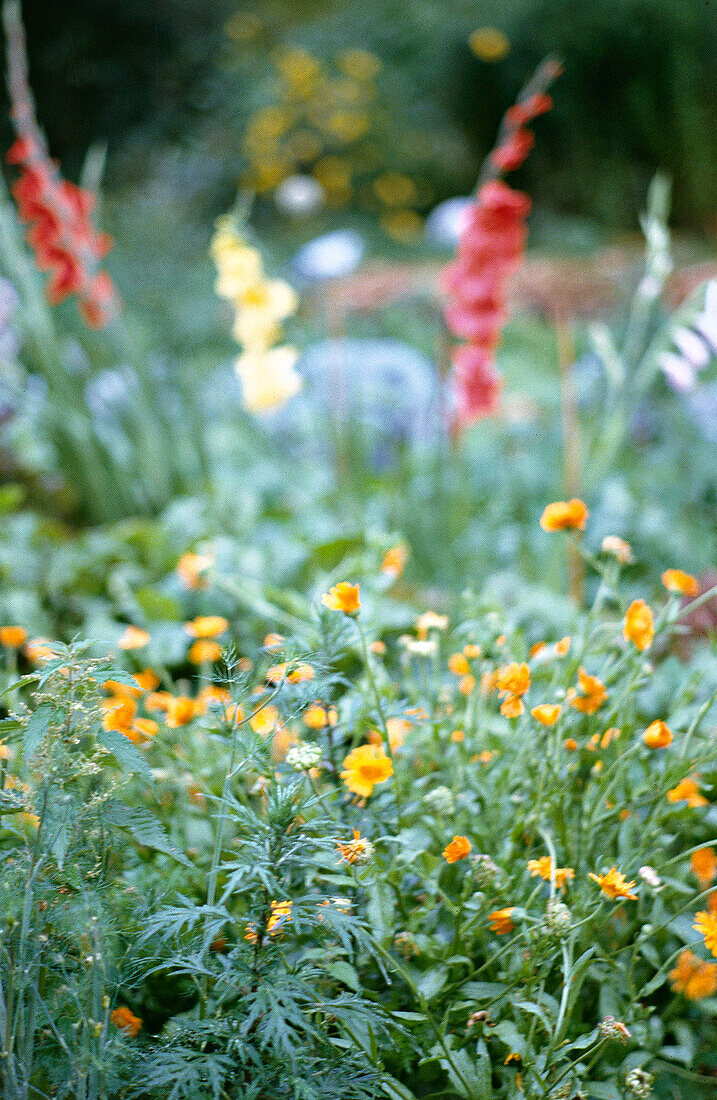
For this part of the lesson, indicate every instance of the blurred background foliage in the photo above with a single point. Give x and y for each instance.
(639, 91)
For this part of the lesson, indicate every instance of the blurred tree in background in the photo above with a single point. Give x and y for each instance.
(639, 90)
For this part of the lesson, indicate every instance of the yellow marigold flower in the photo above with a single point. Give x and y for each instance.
(203, 651)
(620, 550)
(38, 650)
(343, 597)
(501, 921)
(544, 868)
(378, 647)
(657, 735)
(119, 711)
(265, 720)
(489, 44)
(513, 679)
(472, 652)
(547, 713)
(124, 1019)
(358, 850)
(280, 914)
(562, 647)
(273, 641)
(467, 684)
(133, 638)
(458, 736)
(704, 866)
(693, 978)
(614, 885)
(687, 790)
(191, 567)
(458, 664)
(180, 710)
(12, 637)
(639, 627)
(565, 516)
(359, 64)
(706, 924)
(458, 848)
(364, 767)
(404, 226)
(145, 727)
(592, 693)
(429, 620)
(315, 717)
(394, 560)
(207, 626)
(609, 736)
(395, 189)
(570, 744)
(147, 679)
(536, 649)
(676, 580)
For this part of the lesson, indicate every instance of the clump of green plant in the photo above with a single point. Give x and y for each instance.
(268, 947)
(62, 815)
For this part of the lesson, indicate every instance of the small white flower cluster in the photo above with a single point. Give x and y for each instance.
(639, 1083)
(440, 800)
(303, 756)
(557, 920)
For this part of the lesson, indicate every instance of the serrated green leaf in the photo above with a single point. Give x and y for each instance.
(146, 829)
(128, 757)
(36, 728)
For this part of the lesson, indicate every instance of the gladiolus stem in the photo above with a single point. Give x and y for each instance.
(572, 449)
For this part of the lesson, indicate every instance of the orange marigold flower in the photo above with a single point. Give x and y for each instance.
(704, 866)
(394, 560)
(706, 924)
(687, 790)
(38, 650)
(203, 651)
(133, 638)
(457, 736)
(547, 713)
(315, 717)
(501, 921)
(364, 767)
(265, 720)
(124, 1019)
(536, 649)
(207, 626)
(657, 735)
(512, 707)
(273, 641)
(614, 885)
(513, 679)
(570, 744)
(609, 736)
(472, 652)
(458, 664)
(676, 580)
(592, 693)
(180, 710)
(147, 679)
(398, 729)
(190, 568)
(358, 850)
(467, 684)
(562, 647)
(378, 647)
(343, 597)
(458, 848)
(12, 637)
(544, 868)
(565, 516)
(639, 626)
(693, 978)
